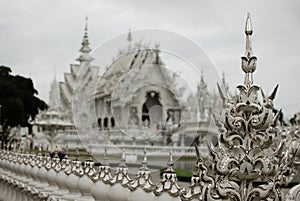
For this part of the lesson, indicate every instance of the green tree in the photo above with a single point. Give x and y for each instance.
(17, 99)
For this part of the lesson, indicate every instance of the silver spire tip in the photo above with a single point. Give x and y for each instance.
(248, 26)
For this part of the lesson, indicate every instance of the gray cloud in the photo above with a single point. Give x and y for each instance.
(41, 37)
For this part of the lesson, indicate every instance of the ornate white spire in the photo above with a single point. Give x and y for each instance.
(85, 49)
(248, 148)
(203, 97)
(54, 95)
(249, 60)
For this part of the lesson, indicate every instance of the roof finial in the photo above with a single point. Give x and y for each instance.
(248, 32)
(156, 50)
(249, 60)
(202, 75)
(129, 37)
(85, 49)
(86, 26)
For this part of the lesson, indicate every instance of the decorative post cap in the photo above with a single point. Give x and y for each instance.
(145, 162)
(170, 163)
(123, 159)
(67, 152)
(249, 60)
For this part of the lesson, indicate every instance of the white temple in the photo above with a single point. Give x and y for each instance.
(136, 94)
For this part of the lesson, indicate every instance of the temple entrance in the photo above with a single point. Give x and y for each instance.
(152, 110)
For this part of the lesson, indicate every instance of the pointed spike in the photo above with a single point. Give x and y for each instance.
(276, 117)
(248, 26)
(263, 94)
(273, 94)
(211, 149)
(217, 121)
(86, 25)
(221, 93)
(197, 152)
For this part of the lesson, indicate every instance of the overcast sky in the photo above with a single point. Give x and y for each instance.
(42, 37)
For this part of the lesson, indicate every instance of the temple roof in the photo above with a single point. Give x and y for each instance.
(134, 58)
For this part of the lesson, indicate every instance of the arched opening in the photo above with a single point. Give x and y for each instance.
(112, 122)
(152, 110)
(100, 123)
(105, 123)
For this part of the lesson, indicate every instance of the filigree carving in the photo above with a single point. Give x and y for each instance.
(251, 160)
(169, 181)
(143, 178)
(103, 172)
(121, 175)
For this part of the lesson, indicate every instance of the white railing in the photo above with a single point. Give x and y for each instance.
(36, 177)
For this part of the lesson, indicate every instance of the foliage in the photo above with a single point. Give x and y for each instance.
(17, 99)
(182, 175)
